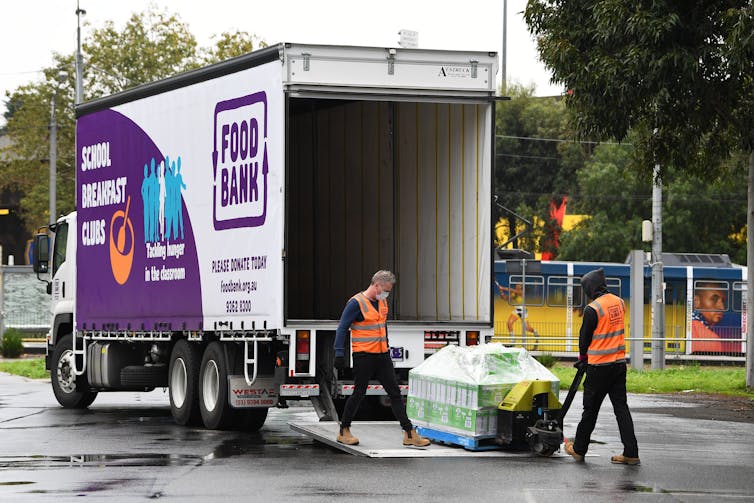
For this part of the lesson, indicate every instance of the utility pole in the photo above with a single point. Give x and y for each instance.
(54, 147)
(750, 278)
(79, 58)
(503, 57)
(658, 294)
(637, 309)
(53, 154)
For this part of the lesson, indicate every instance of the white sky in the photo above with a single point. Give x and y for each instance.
(31, 30)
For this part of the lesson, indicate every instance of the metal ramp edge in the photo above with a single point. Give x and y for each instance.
(383, 439)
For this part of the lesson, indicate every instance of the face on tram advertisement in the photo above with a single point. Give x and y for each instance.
(710, 300)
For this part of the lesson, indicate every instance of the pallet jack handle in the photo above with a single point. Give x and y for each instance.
(581, 370)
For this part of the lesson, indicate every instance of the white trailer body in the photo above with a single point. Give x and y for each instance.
(236, 208)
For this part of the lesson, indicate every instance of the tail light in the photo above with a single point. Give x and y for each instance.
(303, 351)
(472, 338)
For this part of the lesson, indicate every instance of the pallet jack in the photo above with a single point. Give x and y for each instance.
(531, 416)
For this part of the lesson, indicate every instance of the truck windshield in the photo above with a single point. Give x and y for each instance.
(61, 240)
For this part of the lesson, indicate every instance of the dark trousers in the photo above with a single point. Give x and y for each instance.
(379, 365)
(601, 381)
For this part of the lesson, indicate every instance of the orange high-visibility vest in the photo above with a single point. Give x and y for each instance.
(370, 335)
(608, 342)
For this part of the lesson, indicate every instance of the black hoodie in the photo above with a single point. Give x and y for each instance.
(594, 285)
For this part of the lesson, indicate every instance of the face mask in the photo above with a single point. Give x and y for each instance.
(382, 295)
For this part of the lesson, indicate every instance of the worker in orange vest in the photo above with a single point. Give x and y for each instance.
(602, 348)
(366, 315)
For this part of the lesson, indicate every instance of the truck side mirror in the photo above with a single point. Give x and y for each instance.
(41, 253)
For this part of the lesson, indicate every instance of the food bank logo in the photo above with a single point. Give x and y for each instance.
(239, 161)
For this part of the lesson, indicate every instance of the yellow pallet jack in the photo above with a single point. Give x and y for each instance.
(531, 415)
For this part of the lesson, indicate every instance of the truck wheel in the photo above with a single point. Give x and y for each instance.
(71, 391)
(184, 382)
(249, 419)
(213, 389)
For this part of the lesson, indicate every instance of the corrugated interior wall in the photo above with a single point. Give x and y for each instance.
(345, 186)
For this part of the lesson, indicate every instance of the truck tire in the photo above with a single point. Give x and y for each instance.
(216, 411)
(144, 376)
(250, 420)
(183, 380)
(71, 391)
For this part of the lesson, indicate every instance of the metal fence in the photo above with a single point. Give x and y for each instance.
(24, 303)
(553, 338)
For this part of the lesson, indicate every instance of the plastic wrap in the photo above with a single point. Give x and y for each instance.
(458, 389)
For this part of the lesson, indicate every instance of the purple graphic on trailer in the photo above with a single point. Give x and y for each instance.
(239, 162)
(137, 267)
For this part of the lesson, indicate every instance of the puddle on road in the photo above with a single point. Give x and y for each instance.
(256, 444)
(98, 460)
(630, 487)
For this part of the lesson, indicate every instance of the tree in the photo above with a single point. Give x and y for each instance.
(25, 165)
(536, 163)
(616, 201)
(152, 45)
(231, 44)
(678, 73)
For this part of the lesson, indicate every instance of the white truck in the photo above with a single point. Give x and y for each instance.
(226, 215)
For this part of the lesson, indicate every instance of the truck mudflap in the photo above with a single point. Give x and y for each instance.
(263, 393)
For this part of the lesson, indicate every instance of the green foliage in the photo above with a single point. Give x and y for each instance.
(231, 44)
(702, 214)
(536, 163)
(658, 69)
(688, 378)
(699, 215)
(547, 360)
(31, 368)
(12, 344)
(152, 45)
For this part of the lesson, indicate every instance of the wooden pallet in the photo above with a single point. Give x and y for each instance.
(476, 443)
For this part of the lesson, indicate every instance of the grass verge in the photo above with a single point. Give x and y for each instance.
(688, 378)
(696, 378)
(32, 368)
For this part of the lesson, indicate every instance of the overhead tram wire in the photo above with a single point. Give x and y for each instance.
(560, 140)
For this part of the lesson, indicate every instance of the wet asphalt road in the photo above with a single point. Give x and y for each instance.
(127, 448)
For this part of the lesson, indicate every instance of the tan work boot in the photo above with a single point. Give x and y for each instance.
(413, 439)
(345, 437)
(574, 454)
(620, 459)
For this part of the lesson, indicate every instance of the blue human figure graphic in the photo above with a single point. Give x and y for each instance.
(145, 200)
(179, 187)
(161, 212)
(169, 211)
(154, 203)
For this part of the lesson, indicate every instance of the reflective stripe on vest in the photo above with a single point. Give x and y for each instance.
(370, 335)
(608, 341)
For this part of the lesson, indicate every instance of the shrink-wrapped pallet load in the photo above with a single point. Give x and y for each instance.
(458, 389)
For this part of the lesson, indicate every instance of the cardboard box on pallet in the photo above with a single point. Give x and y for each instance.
(458, 389)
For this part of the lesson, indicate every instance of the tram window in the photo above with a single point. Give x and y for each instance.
(711, 295)
(737, 303)
(534, 290)
(613, 285)
(557, 291)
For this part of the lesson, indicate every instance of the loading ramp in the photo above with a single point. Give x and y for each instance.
(383, 439)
